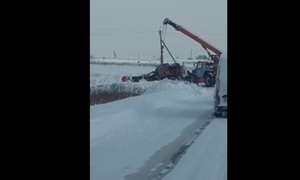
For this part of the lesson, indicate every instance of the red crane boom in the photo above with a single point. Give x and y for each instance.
(204, 44)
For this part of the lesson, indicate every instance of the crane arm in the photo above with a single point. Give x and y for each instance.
(204, 44)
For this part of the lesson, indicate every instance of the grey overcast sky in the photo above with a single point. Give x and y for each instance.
(130, 27)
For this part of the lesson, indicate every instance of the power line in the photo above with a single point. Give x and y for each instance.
(121, 28)
(113, 31)
(120, 33)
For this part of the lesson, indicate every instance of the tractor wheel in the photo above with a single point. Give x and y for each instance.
(189, 77)
(209, 80)
(193, 78)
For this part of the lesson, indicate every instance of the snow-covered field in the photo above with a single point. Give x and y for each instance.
(110, 74)
(154, 62)
(168, 132)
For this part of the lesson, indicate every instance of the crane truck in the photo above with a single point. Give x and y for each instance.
(206, 70)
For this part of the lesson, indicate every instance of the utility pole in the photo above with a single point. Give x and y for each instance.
(161, 48)
(115, 55)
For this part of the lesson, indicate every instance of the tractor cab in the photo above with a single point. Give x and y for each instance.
(202, 66)
(204, 72)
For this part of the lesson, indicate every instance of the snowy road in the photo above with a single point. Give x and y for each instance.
(143, 137)
(137, 138)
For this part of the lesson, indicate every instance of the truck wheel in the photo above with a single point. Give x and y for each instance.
(136, 78)
(218, 114)
(209, 80)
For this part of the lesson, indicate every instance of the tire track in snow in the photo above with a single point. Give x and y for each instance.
(165, 159)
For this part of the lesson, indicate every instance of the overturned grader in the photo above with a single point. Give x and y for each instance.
(173, 71)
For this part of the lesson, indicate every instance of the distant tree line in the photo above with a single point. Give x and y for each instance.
(190, 58)
(199, 57)
(202, 57)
